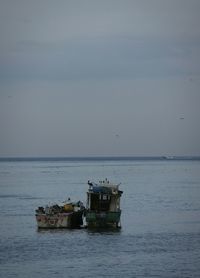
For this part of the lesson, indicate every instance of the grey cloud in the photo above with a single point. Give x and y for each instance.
(106, 57)
(72, 68)
(98, 39)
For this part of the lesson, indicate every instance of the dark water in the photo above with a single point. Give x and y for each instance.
(160, 235)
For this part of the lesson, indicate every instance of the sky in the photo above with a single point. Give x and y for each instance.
(99, 78)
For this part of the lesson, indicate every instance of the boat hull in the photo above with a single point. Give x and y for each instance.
(60, 220)
(103, 219)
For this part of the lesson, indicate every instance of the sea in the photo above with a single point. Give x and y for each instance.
(160, 220)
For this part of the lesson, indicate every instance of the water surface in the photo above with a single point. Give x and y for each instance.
(160, 235)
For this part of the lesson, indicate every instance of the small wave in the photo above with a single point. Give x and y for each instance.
(30, 198)
(9, 196)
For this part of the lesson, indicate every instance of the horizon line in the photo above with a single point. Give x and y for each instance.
(76, 158)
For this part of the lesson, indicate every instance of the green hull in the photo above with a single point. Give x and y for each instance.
(103, 219)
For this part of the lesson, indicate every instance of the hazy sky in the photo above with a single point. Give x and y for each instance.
(109, 77)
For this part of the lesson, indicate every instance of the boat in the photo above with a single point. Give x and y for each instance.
(67, 215)
(103, 205)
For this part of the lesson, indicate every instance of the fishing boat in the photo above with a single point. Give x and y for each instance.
(67, 215)
(103, 205)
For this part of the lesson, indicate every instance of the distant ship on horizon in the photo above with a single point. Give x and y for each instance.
(169, 157)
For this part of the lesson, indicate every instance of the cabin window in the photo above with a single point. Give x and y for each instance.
(100, 202)
(94, 202)
(104, 202)
(104, 197)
